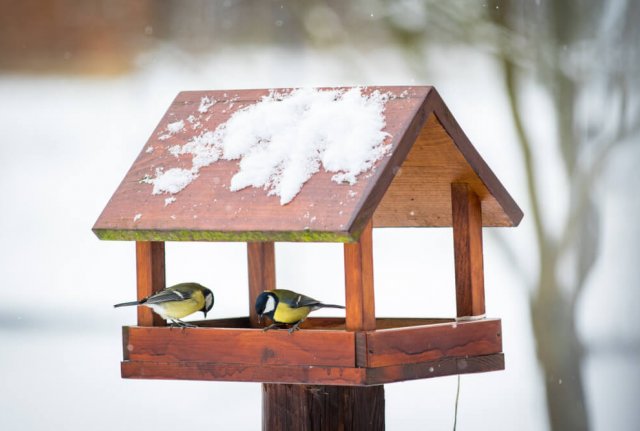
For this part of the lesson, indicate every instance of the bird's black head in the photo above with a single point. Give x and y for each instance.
(266, 304)
(208, 301)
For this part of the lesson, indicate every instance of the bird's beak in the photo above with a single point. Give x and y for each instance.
(205, 314)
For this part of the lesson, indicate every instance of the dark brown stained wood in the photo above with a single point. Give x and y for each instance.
(238, 346)
(150, 276)
(322, 408)
(324, 210)
(428, 343)
(314, 356)
(340, 376)
(262, 273)
(313, 375)
(358, 271)
(437, 368)
(467, 248)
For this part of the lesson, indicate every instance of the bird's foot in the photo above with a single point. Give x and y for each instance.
(177, 323)
(295, 327)
(273, 325)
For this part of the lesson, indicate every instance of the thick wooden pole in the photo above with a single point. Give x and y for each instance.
(467, 247)
(322, 408)
(261, 259)
(150, 276)
(358, 272)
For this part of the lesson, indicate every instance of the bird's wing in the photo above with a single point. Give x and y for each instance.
(168, 295)
(300, 300)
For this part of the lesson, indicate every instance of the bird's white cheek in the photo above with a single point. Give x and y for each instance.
(270, 305)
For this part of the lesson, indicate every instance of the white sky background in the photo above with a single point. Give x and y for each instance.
(67, 143)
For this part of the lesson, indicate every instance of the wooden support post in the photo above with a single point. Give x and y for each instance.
(467, 247)
(358, 272)
(311, 407)
(150, 278)
(262, 273)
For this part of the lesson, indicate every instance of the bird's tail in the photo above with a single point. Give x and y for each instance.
(127, 304)
(330, 306)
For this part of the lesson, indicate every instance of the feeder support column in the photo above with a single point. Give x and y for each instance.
(358, 272)
(150, 276)
(467, 247)
(261, 259)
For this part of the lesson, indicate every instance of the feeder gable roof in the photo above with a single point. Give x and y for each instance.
(409, 186)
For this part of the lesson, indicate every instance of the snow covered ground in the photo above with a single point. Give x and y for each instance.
(65, 145)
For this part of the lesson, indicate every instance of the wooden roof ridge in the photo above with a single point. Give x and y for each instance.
(410, 186)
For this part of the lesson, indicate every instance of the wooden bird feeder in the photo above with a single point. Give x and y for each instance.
(432, 176)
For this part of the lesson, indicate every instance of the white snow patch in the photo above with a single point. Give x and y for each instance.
(205, 104)
(171, 181)
(137, 217)
(175, 127)
(169, 200)
(284, 139)
(149, 149)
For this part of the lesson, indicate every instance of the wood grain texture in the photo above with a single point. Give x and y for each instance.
(323, 211)
(150, 275)
(439, 154)
(242, 346)
(467, 248)
(322, 408)
(359, 292)
(313, 375)
(262, 273)
(314, 356)
(437, 368)
(427, 343)
(335, 376)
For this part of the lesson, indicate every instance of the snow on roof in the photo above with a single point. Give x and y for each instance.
(285, 138)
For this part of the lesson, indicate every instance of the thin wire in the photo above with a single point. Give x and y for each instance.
(455, 414)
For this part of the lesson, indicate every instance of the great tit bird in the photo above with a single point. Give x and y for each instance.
(287, 307)
(175, 302)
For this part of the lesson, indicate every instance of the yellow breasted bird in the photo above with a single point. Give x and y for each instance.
(287, 307)
(175, 302)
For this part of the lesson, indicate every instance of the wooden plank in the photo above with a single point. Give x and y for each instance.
(438, 368)
(358, 271)
(150, 275)
(262, 273)
(313, 375)
(427, 343)
(228, 322)
(321, 407)
(341, 376)
(242, 346)
(467, 247)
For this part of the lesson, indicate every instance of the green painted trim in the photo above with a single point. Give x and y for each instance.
(242, 236)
